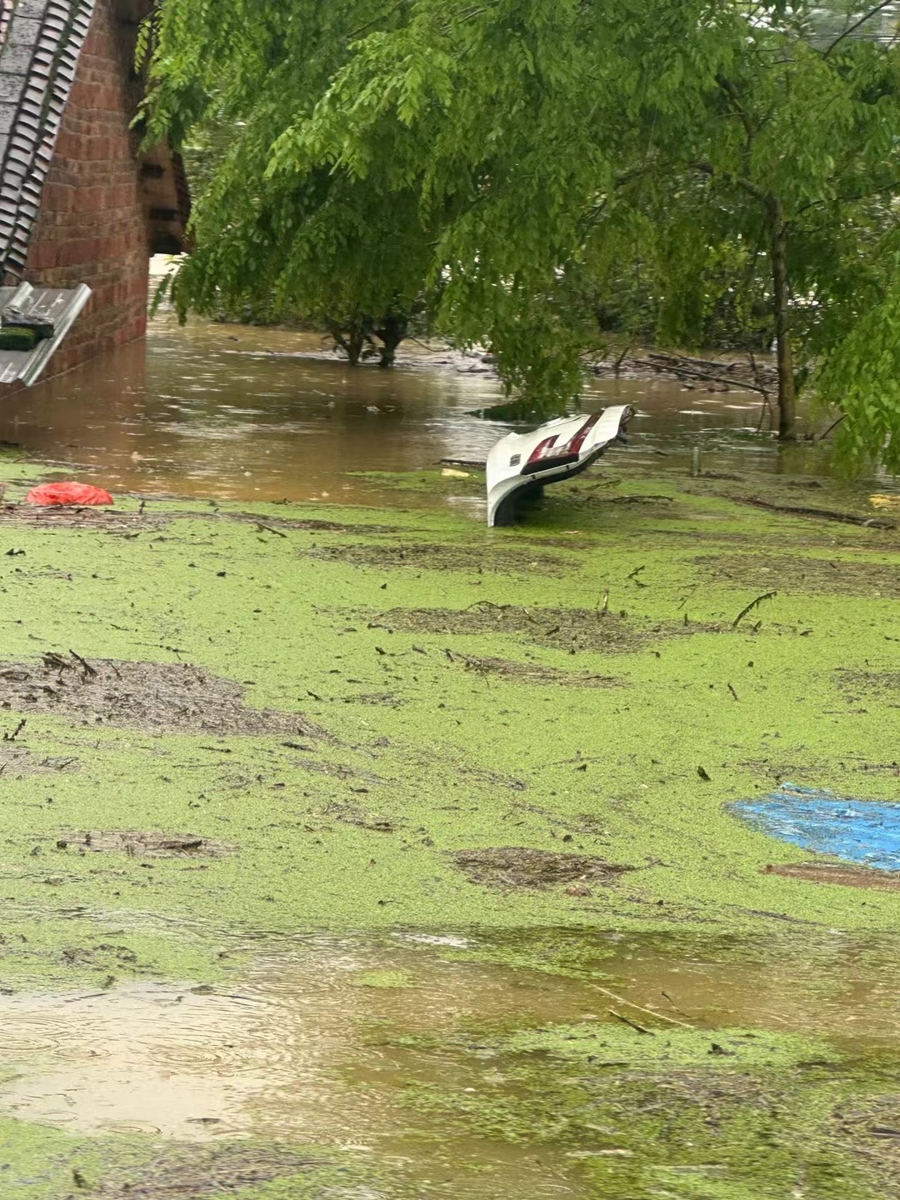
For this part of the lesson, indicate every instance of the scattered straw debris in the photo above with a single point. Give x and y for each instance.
(533, 673)
(190, 1172)
(334, 770)
(352, 814)
(146, 521)
(436, 557)
(142, 844)
(883, 685)
(376, 699)
(16, 762)
(154, 697)
(97, 520)
(842, 874)
(298, 524)
(486, 776)
(570, 629)
(798, 573)
(506, 867)
(869, 1128)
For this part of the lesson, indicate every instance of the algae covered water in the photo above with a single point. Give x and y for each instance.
(443, 1065)
(352, 851)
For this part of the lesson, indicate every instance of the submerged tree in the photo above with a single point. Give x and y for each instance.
(794, 173)
(318, 246)
(525, 161)
(551, 139)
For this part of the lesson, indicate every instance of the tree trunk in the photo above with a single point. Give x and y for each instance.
(350, 339)
(354, 346)
(392, 332)
(787, 388)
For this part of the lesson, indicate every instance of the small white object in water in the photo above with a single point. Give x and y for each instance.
(372, 408)
(434, 939)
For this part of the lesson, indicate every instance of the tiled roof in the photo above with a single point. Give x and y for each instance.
(6, 11)
(40, 41)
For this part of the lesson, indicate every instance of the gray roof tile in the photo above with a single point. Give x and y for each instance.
(15, 59)
(23, 31)
(32, 8)
(62, 305)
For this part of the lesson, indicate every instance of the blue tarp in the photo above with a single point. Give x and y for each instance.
(866, 832)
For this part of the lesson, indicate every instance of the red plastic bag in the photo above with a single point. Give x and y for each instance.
(67, 493)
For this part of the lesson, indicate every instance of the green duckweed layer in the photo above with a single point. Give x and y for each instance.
(374, 759)
(414, 754)
(729, 1115)
(40, 1163)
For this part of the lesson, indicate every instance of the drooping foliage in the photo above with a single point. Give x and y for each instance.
(553, 173)
(316, 245)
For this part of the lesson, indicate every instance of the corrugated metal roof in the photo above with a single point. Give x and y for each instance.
(59, 305)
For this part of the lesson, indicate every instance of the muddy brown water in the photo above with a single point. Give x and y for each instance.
(315, 1043)
(240, 413)
(292, 1050)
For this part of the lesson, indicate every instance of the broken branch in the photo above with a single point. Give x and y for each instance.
(749, 609)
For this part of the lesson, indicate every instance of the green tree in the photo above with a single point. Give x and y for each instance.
(797, 146)
(227, 79)
(539, 164)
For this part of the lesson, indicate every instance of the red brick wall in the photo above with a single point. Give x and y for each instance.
(93, 228)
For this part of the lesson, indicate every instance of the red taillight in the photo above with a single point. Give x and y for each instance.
(548, 449)
(574, 447)
(545, 449)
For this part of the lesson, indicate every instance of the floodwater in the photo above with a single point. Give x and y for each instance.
(241, 413)
(294, 1049)
(305, 1043)
(315, 1043)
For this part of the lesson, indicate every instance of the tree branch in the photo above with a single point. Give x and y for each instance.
(726, 86)
(747, 184)
(888, 187)
(853, 28)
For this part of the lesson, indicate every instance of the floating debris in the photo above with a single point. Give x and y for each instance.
(525, 867)
(866, 832)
